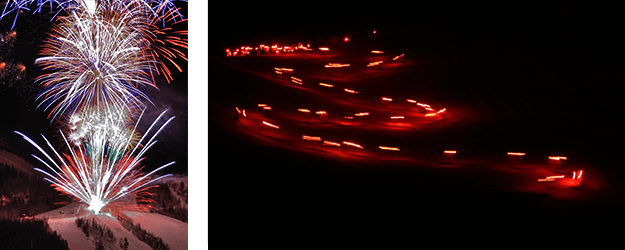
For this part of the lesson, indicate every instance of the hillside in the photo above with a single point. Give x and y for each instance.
(63, 220)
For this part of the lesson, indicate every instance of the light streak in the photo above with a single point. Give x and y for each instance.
(284, 69)
(311, 138)
(397, 117)
(321, 112)
(326, 85)
(371, 64)
(400, 124)
(296, 80)
(449, 151)
(329, 143)
(516, 153)
(324, 48)
(271, 125)
(557, 158)
(377, 52)
(398, 57)
(303, 110)
(336, 65)
(260, 105)
(351, 91)
(387, 99)
(423, 105)
(411, 101)
(361, 114)
(352, 144)
(551, 178)
(579, 175)
(388, 148)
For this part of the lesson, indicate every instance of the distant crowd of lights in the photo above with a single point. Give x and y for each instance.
(265, 49)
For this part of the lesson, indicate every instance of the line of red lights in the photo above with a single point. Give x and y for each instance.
(245, 50)
(305, 137)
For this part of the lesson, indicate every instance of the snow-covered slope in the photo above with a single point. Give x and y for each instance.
(173, 232)
(63, 221)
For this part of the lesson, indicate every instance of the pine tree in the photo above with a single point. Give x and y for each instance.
(123, 243)
(99, 245)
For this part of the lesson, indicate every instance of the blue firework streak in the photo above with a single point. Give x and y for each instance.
(159, 9)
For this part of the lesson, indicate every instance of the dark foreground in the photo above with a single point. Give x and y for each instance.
(540, 100)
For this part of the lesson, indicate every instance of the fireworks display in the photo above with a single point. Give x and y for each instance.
(97, 60)
(94, 62)
(100, 173)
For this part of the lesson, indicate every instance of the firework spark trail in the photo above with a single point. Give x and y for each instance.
(103, 52)
(94, 62)
(96, 178)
